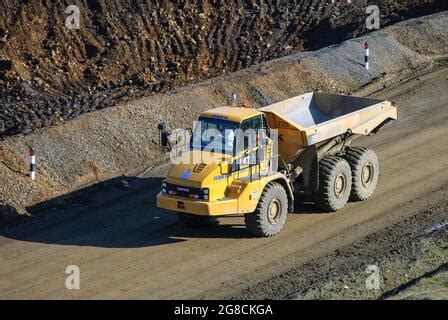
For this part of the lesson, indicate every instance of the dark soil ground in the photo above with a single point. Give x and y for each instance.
(50, 73)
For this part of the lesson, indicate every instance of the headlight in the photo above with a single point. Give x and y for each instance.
(164, 190)
(164, 184)
(205, 192)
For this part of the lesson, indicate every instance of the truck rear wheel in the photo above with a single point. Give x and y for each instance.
(191, 220)
(335, 181)
(270, 216)
(365, 170)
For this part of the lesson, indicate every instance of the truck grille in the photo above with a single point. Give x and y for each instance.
(199, 167)
(185, 192)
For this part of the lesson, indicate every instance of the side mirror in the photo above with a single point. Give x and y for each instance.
(161, 126)
(163, 137)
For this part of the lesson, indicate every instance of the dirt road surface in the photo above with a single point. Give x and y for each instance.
(126, 248)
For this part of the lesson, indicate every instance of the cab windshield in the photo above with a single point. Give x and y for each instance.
(214, 135)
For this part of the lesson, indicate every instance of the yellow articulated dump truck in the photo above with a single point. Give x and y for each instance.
(255, 162)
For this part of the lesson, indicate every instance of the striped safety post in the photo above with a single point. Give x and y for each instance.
(366, 55)
(233, 99)
(32, 164)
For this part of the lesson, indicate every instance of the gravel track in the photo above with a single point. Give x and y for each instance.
(127, 248)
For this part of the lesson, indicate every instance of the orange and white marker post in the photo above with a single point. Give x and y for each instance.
(32, 158)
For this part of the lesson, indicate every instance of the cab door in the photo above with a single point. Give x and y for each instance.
(247, 175)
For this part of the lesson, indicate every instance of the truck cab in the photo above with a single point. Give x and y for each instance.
(225, 167)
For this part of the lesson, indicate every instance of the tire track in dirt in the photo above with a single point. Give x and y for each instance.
(126, 48)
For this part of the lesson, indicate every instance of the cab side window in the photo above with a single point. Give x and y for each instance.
(255, 124)
(246, 125)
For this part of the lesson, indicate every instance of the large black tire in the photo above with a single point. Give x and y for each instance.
(335, 179)
(365, 170)
(191, 220)
(270, 216)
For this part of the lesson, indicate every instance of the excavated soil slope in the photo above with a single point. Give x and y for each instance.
(116, 141)
(49, 73)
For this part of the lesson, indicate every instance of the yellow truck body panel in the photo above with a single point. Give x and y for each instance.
(236, 197)
(231, 113)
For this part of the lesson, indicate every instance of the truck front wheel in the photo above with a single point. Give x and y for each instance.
(191, 220)
(335, 183)
(365, 170)
(270, 215)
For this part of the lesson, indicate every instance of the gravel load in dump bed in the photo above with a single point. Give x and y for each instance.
(49, 73)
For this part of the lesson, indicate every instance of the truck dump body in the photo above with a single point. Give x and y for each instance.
(311, 118)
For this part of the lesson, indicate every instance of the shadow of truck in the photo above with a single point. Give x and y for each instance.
(118, 213)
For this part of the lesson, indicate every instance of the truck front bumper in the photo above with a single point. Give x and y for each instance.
(219, 207)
